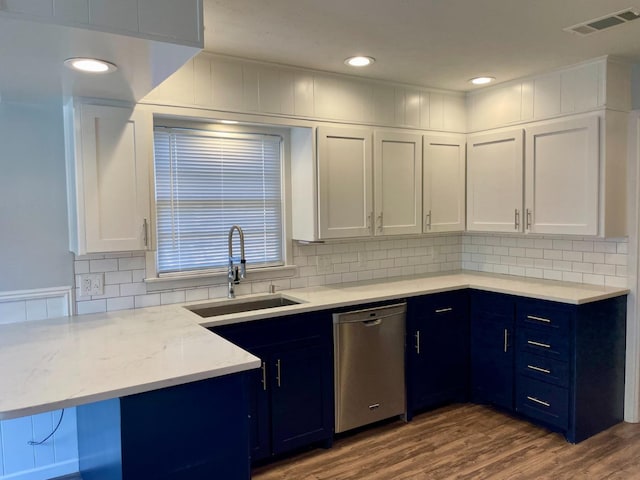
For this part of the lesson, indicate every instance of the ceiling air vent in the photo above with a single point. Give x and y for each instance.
(602, 23)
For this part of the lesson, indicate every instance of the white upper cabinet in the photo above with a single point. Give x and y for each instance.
(562, 177)
(108, 161)
(345, 181)
(494, 181)
(398, 183)
(444, 183)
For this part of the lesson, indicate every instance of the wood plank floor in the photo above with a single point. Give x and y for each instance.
(465, 442)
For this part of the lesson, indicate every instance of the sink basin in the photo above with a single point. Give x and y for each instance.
(241, 305)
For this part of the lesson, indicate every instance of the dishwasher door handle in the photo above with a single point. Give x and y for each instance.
(372, 323)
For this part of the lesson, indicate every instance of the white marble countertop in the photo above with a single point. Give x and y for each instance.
(57, 363)
(341, 295)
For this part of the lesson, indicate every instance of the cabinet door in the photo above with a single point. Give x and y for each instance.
(115, 155)
(562, 177)
(444, 184)
(492, 347)
(398, 183)
(494, 182)
(438, 349)
(259, 407)
(345, 182)
(302, 397)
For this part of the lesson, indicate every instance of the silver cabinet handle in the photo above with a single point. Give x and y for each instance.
(380, 220)
(264, 376)
(538, 344)
(145, 233)
(443, 310)
(528, 219)
(427, 220)
(506, 340)
(538, 319)
(538, 369)
(369, 222)
(539, 402)
(278, 373)
(517, 219)
(417, 335)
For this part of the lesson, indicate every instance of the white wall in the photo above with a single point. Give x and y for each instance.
(33, 203)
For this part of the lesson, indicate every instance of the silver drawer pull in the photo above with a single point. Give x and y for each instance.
(374, 406)
(538, 344)
(538, 319)
(442, 310)
(538, 369)
(539, 402)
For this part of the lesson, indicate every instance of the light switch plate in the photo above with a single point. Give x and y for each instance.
(91, 284)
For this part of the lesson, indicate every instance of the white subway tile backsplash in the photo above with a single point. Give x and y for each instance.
(104, 265)
(92, 306)
(131, 263)
(616, 282)
(150, 300)
(604, 269)
(592, 257)
(124, 276)
(81, 266)
(572, 277)
(552, 275)
(167, 298)
(578, 259)
(195, 294)
(606, 247)
(129, 289)
(572, 256)
(615, 258)
(137, 275)
(120, 303)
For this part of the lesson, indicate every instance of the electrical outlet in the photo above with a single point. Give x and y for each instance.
(324, 264)
(91, 284)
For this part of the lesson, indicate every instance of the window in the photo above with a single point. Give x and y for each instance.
(207, 181)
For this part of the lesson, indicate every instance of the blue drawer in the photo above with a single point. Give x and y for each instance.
(540, 342)
(543, 368)
(547, 316)
(543, 401)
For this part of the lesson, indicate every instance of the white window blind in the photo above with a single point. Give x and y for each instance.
(205, 183)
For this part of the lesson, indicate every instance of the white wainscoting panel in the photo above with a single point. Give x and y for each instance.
(58, 455)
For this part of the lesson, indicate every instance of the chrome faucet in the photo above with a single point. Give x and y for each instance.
(233, 274)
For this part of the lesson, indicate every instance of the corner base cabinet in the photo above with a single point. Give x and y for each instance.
(558, 365)
(192, 431)
(291, 395)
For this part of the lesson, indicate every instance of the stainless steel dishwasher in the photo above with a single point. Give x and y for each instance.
(369, 365)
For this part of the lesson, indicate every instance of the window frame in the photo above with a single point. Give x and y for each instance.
(219, 275)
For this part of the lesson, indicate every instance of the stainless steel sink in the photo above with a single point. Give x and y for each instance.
(240, 305)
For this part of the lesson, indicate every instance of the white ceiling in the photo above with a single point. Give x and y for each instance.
(436, 43)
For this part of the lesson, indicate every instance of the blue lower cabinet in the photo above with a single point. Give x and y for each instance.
(437, 349)
(192, 431)
(291, 395)
(570, 364)
(492, 348)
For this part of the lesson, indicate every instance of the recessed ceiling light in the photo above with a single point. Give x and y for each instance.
(482, 80)
(90, 65)
(229, 122)
(359, 61)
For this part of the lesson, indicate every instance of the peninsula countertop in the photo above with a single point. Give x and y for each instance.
(63, 362)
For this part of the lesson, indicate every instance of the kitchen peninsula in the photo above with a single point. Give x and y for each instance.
(94, 360)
